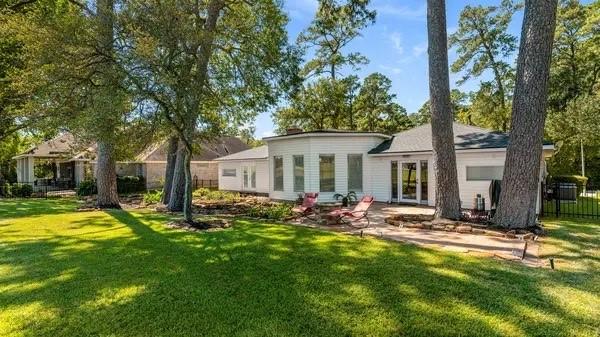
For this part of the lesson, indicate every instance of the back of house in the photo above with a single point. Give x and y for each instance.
(393, 168)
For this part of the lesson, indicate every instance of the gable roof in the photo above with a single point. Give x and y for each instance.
(58, 147)
(208, 150)
(466, 137)
(63, 146)
(261, 152)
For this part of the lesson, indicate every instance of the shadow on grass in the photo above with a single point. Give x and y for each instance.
(128, 275)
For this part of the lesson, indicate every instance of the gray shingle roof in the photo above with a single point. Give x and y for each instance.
(261, 152)
(58, 147)
(207, 150)
(465, 137)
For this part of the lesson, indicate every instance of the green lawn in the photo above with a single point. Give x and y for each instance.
(583, 206)
(119, 273)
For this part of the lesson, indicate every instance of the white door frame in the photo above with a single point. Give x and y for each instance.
(399, 182)
(249, 168)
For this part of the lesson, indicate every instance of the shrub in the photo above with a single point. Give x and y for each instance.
(212, 195)
(86, 187)
(580, 181)
(279, 211)
(131, 184)
(153, 197)
(17, 190)
(5, 190)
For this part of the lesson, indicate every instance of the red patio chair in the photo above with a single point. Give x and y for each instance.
(308, 207)
(360, 211)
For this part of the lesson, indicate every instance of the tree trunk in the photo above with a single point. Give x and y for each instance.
(447, 199)
(170, 169)
(176, 198)
(518, 196)
(187, 200)
(106, 176)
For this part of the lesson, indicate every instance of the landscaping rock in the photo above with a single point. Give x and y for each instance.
(427, 224)
(528, 236)
(449, 228)
(414, 225)
(511, 234)
(478, 231)
(438, 227)
(464, 229)
(443, 222)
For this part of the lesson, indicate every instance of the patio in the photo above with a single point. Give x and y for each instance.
(504, 248)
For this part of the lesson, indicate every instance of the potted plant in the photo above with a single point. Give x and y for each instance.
(346, 199)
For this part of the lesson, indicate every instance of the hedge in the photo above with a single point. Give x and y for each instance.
(125, 184)
(580, 181)
(16, 190)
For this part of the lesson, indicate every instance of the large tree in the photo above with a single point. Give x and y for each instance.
(483, 44)
(447, 203)
(333, 28)
(519, 191)
(69, 75)
(574, 85)
(208, 65)
(375, 107)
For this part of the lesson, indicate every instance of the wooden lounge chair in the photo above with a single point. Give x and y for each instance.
(352, 217)
(308, 207)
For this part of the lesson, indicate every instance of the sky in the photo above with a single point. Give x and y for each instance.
(396, 46)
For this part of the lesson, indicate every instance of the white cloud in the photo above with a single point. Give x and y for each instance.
(396, 39)
(405, 12)
(393, 70)
(419, 49)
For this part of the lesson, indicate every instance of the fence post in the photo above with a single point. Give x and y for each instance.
(557, 199)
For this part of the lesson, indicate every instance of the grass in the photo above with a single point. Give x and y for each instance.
(584, 206)
(121, 273)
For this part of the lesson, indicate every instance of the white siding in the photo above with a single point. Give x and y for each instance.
(236, 183)
(381, 178)
(311, 148)
(470, 189)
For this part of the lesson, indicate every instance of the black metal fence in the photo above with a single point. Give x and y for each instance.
(37, 189)
(570, 200)
(205, 183)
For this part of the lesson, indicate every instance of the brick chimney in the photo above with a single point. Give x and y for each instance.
(293, 131)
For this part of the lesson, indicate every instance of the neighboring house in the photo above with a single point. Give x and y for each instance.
(70, 165)
(396, 168)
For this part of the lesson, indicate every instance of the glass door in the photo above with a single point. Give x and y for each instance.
(394, 180)
(423, 183)
(409, 181)
(249, 177)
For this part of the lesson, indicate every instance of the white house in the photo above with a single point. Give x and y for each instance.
(394, 168)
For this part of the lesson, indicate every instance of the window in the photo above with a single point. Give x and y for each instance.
(253, 176)
(475, 173)
(228, 173)
(278, 173)
(355, 172)
(245, 176)
(298, 173)
(327, 173)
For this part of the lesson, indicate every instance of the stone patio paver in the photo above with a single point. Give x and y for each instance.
(504, 248)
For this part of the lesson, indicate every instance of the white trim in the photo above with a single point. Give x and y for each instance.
(326, 134)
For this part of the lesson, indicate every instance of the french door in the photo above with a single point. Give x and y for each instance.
(409, 181)
(249, 177)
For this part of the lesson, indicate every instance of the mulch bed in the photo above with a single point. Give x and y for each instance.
(200, 225)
